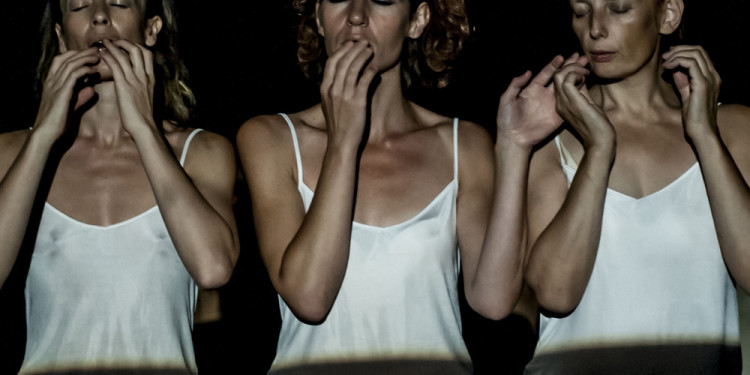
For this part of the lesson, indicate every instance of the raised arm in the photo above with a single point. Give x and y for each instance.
(195, 202)
(720, 138)
(565, 241)
(306, 254)
(492, 221)
(23, 155)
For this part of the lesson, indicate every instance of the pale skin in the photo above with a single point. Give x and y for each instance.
(633, 135)
(119, 164)
(406, 162)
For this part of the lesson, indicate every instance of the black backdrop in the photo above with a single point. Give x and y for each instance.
(241, 55)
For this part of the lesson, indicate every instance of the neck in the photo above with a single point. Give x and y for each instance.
(642, 94)
(102, 121)
(390, 112)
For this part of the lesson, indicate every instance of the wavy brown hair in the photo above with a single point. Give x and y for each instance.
(428, 59)
(175, 101)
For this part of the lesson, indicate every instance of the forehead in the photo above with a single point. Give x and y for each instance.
(605, 2)
(140, 3)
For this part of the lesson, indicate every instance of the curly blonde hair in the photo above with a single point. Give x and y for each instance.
(175, 102)
(428, 59)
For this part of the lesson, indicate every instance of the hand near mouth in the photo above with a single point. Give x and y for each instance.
(346, 81)
(61, 87)
(526, 114)
(132, 68)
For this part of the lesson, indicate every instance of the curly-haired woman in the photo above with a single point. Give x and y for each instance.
(127, 229)
(362, 201)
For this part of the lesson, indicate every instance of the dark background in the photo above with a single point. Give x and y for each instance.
(242, 61)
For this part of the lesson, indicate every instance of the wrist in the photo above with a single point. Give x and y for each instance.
(706, 142)
(39, 140)
(703, 132)
(506, 143)
(505, 147)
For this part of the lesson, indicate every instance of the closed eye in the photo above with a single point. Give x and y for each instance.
(622, 10)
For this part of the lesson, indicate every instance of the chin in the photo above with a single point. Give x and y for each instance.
(609, 71)
(105, 74)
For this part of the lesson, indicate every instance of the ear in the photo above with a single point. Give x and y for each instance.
(153, 27)
(671, 16)
(60, 39)
(317, 19)
(419, 21)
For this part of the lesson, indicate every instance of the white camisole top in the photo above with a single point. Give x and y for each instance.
(108, 297)
(397, 308)
(660, 299)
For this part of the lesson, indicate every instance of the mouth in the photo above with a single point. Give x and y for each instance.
(602, 56)
(99, 44)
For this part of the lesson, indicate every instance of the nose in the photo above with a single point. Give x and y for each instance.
(358, 13)
(598, 25)
(100, 15)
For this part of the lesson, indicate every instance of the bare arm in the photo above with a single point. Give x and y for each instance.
(564, 243)
(197, 205)
(24, 154)
(493, 267)
(723, 165)
(306, 254)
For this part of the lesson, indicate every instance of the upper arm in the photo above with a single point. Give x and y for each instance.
(734, 127)
(211, 166)
(268, 161)
(476, 182)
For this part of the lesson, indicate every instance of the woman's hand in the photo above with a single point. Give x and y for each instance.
(527, 115)
(575, 105)
(60, 88)
(344, 91)
(132, 67)
(699, 88)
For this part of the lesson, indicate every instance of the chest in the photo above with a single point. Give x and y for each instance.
(645, 161)
(396, 180)
(101, 187)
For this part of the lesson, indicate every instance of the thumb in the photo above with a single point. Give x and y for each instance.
(682, 81)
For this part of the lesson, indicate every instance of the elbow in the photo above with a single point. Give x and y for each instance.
(497, 308)
(311, 310)
(557, 301)
(214, 276)
(493, 313)
(308, 305)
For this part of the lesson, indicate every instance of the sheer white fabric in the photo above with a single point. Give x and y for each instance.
(399, 298)
(659, 277)
(114, 297)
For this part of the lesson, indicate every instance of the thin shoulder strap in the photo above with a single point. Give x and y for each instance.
(187, 145)
(455, 149)
(296, 147)
(565, 157)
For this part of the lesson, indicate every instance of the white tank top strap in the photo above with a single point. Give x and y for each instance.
(187, 145)
(455, 149)
(296, 147)
(566, 159)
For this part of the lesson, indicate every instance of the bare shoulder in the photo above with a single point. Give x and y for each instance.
(262, 130)
(10, 145)
(473, 136)
(734, 121)
(734, 128)
(269, 133)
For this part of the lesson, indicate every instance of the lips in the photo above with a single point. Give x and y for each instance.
(99, 46)
(602, 56)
